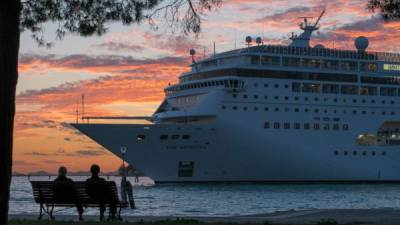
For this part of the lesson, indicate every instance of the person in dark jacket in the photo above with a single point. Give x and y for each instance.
(97, 189)
(63, 188)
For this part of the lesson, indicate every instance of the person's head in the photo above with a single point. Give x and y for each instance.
(62, 171)
(95, 169)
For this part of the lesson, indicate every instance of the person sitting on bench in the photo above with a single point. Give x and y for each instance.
(97, 189)
(63, 189)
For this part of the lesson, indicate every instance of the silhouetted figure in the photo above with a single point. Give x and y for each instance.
(127, 192)
(98, 190)
(63, 188)
(136, 178)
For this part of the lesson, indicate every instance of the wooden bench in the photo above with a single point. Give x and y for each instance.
(43, 193)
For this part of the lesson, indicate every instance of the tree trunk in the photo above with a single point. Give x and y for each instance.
(9, 47)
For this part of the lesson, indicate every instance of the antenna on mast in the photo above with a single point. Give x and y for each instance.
(83, 106)
(320, 17)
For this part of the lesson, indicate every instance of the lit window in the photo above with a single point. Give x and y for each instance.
(140, 137)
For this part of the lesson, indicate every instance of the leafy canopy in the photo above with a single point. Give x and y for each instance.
(88, 17)
(389, 9)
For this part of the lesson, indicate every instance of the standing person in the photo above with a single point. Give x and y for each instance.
(127, 191)
(136, 177)
(63, 188)
(97, 189)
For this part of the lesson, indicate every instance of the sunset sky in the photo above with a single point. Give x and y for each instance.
(124, 71)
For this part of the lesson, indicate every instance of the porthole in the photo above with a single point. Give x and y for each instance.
(255, 96)
(373, 101)
(335, 100)
(364, 112)
(392, 113)
(276, 97)
(354, 153)
(186, 137)
(364, 101)
(306, 110)
(286, 98)
(223, 107)
(345, 152)
(163, 137)
(276, 85)
(336, 152)
(296, 98)
(255, 108)
(392, 102)
(383, 153)
(245, 108)
(286, 86)
(316, 110)
(265, 85)
(383, 113)
(245, 96)
(354, 100)
(296, 110)
(255, 84)
(266, 97)
(354, 111)
(276, 109)
(266, 109)
(373, 153)
(234, 95)
(316, 99)
(287, 109)
(364, 153)
(305, 99)
(383, 102)
(234, 107)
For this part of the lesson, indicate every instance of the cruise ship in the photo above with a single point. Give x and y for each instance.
(271, 113)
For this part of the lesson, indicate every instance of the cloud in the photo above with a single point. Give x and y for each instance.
(118, 46)
(51, 162)
(23, 163)
(90, 153)
(36, 154)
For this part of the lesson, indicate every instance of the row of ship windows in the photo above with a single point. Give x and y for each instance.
(142, 137)
(355, 153)
(339, 89)
(345, 89)
(277, 109)
(305, 126)
(316, 99)
(314, 63)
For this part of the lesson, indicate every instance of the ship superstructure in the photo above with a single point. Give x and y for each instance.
(272, 113)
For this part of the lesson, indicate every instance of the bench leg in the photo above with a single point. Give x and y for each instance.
(119, 214)
(40, 212)
(51, 212)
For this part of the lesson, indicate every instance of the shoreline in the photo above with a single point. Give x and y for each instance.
(342, 216)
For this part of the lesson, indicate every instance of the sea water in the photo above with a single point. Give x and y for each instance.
(227, 199)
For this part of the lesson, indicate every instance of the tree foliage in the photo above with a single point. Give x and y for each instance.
(82, 17)
(89, 17)
(388, 9)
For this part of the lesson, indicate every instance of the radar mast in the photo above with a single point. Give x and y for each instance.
(303, 40)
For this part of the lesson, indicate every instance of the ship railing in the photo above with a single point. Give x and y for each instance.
(317, 52)
(87, 119)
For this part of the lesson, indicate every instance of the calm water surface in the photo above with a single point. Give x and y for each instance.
(228, 199)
